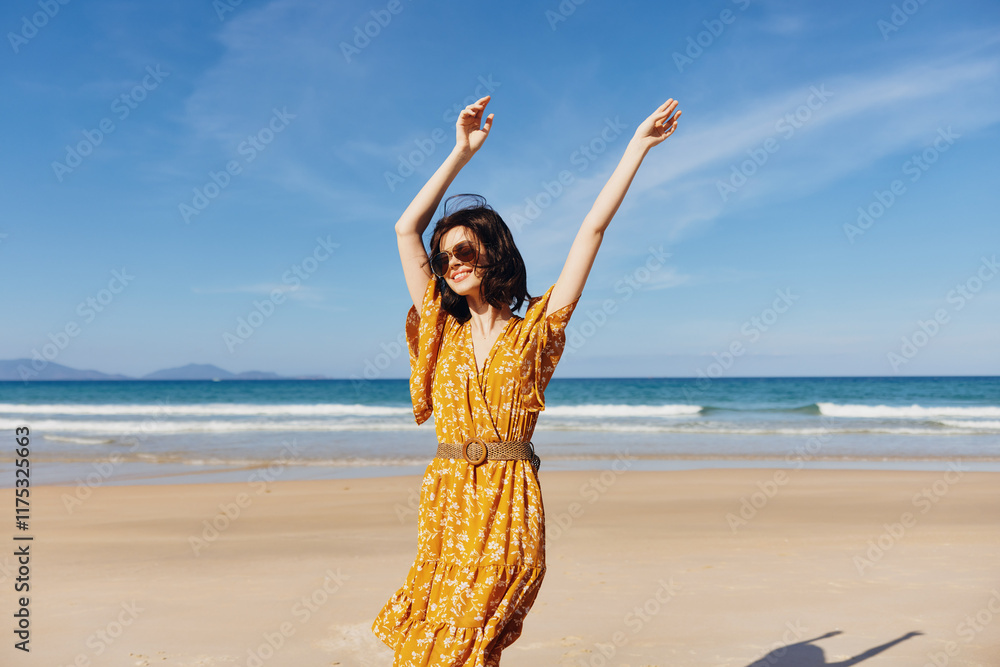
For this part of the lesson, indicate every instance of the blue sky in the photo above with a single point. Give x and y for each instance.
(280, 141)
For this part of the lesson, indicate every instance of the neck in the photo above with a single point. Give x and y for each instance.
(485, 318)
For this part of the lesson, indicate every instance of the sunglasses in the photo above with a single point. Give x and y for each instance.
(464, 251)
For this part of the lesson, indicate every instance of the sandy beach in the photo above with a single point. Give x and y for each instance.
(729, 568)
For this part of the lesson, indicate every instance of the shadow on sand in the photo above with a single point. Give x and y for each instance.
(804, 654)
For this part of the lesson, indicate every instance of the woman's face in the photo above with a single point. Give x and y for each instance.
(462, 277)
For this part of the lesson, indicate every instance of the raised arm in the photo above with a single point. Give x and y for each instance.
(411, 225)
(569, 286)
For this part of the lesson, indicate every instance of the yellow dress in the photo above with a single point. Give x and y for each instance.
(481, 530)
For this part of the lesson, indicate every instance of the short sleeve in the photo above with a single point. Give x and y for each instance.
(543, 340)
(424, 332)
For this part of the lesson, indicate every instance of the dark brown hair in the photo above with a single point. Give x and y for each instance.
(505, 279)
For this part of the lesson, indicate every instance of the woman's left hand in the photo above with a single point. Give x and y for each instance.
(659, 125)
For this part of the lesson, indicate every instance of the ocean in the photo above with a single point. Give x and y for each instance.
(171, 431)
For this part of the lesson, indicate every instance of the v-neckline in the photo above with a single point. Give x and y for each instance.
(489, 355)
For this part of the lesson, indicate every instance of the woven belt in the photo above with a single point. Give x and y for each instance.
(475, 451)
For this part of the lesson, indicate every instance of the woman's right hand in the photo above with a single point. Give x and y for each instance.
(468, 136)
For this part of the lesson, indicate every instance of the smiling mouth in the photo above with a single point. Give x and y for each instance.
(461, 275)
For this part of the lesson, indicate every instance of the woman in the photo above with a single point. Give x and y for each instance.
(482, 372)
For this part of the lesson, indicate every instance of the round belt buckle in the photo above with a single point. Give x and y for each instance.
(465, 450)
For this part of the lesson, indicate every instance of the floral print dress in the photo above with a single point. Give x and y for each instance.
(481, 529)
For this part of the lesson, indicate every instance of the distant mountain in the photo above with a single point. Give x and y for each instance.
(207, 372)
(26, 369)
(23, 369)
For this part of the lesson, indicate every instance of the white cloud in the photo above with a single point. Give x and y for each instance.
(293, 292)
(666, 278)
(783, 24)
(866, 118)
